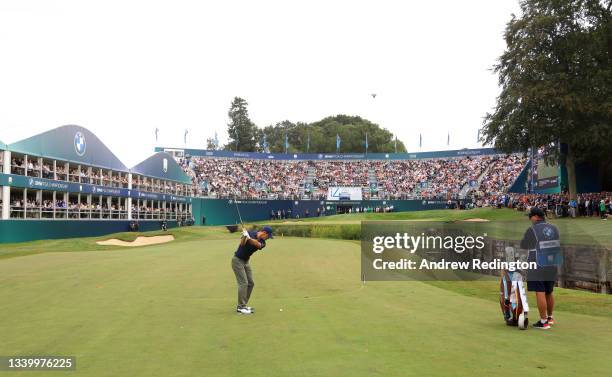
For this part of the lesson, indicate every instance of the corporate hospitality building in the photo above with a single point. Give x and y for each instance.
(68, 174)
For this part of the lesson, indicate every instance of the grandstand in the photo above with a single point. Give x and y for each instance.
(444, 177)
(68, 174)
(50, 180)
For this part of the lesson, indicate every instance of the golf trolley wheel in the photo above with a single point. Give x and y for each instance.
(523, 321)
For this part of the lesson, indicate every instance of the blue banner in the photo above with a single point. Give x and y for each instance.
(83, 188)
(335, 156)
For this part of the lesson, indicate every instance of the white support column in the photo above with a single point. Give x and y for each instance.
(129, 199)
(6, 190)
(6, 202)
(109, 204)
(40, 203)
(6, 164)
(25, 203)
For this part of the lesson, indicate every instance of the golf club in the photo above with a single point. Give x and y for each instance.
(239, 215)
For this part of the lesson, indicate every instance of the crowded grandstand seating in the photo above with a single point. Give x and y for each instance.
(37, 204)
(248, 178)
(390, 179)
(501, 174)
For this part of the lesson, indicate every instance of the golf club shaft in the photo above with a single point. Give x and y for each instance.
(239, 215)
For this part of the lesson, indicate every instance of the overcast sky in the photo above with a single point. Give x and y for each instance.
(123, 68)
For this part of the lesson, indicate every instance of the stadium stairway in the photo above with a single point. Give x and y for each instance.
(466, 188)
(308, 181)
(372, 183)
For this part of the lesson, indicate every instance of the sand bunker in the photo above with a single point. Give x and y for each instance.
(477, 220)
(139, 241)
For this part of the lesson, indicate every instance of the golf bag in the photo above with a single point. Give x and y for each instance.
(513, 300)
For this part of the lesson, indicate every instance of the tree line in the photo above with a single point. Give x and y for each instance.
(340, 133)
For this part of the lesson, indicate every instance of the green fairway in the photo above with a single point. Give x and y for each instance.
(168, 310)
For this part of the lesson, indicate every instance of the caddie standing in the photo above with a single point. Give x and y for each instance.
(543, 242)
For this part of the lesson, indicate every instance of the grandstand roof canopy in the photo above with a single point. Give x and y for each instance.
(163, 166)
(70, 143)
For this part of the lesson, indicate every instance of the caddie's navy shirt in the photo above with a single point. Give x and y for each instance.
(542, 273)
(245, 251)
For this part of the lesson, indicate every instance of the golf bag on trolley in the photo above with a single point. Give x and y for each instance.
(512, 295)
(513, 299)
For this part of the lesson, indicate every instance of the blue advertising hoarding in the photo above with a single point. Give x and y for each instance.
(334, 156)
(83, 188)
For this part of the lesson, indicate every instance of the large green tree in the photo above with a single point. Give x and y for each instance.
(322, 135)
(241, 130)
(556, 79)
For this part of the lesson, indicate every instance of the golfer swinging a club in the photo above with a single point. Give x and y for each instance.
(250, 242)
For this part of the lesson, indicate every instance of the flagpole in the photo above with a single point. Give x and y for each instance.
(286, 143)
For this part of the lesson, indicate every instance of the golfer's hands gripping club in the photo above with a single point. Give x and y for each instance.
(245, 233)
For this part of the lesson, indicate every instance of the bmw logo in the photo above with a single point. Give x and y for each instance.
(79, 144)
(548, 232)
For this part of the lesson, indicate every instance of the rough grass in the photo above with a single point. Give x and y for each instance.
(431, 215)
(503, 224)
